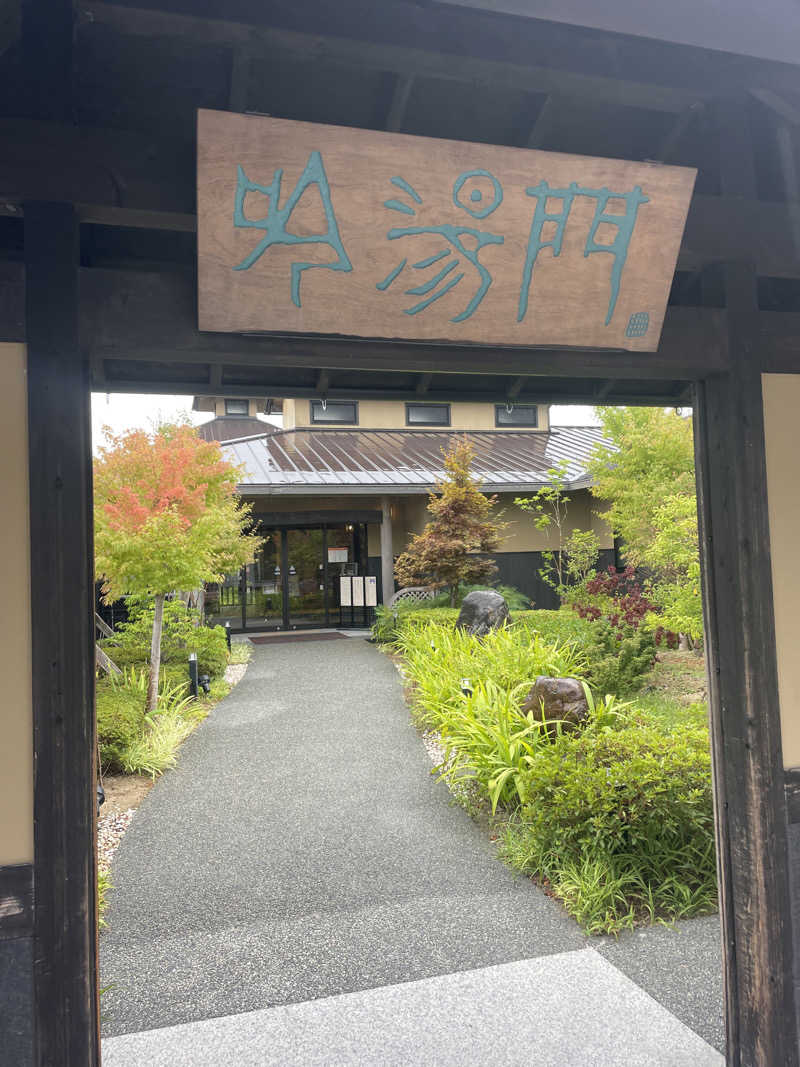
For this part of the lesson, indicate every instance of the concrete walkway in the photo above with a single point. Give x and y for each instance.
(302, 884)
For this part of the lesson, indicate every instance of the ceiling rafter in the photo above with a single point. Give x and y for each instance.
(265, 41)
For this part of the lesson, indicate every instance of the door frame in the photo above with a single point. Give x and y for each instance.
(359, 531)
(750, 783)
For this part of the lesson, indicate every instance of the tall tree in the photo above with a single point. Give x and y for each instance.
(166, 519)
(646, 474)
(573, 556)
(446, 552)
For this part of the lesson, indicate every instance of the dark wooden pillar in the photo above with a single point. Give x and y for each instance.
(743, 674)
(62, 600)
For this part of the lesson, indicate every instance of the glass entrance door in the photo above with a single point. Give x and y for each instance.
(305, 577)
(293, 581)
(262, 585)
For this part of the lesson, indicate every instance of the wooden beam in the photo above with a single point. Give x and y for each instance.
(546, 122)
(777, 103)
(47, 59)
(94, 166)
(403, 85)
(268, 42)
(238, 93)
(516, 386)
(127, 315)
(665, 151)
(62, 645)
(124, 178)
(657, 392)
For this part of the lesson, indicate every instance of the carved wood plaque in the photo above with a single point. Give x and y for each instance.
(313, 229)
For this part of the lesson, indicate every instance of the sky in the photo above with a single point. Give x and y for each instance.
(127, 411)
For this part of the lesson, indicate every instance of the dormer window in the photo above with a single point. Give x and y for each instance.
(526, 415)
(237, 407)
(335, 412)
(427, 414)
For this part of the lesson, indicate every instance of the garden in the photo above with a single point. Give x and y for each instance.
(609, 812)
(166, 519)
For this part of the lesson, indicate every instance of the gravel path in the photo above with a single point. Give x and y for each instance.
(302, 850)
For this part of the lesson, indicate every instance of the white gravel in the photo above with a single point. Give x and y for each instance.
(234, 673)
(110, 829)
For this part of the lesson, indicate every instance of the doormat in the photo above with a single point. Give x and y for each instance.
(297, 636)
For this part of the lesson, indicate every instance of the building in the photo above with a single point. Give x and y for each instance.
(234, 416)
(344, 485)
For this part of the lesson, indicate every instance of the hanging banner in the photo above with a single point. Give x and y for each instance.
(313, 229)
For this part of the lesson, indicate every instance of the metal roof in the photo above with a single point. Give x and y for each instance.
(325, 461)
(232, 427)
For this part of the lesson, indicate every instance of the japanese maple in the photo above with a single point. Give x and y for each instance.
(462, 525)
(167, 518)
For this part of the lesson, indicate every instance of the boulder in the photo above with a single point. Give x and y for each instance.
(557, 699)
(482, 611)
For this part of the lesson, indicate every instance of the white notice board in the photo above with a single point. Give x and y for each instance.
(358, 592)
(345, 593)
(371, 591)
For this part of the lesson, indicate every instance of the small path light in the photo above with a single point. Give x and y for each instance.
(193, 679)
(228, 633)
(466, 688)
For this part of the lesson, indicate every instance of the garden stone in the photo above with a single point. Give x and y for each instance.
(557, 699)
(482, 611)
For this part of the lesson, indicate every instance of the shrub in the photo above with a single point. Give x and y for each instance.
(120, 720)
(153, 751)
(617, 657)
(620, 823)
(130, 645)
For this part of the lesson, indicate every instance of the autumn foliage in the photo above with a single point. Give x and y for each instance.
(462, 525)
(166, 518)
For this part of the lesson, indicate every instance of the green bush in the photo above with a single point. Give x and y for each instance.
(438, 657)
(130, 645)
(620, 823)
(120, 721)
(619, 665)
(617, 658)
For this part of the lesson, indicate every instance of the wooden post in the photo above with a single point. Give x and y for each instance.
(743, 677)
(387, 556)
(62, 646)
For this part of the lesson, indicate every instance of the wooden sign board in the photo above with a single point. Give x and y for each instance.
(316, 229)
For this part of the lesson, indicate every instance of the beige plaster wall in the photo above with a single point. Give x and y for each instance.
(521, 535)
(391, 415)
(781, 405)
(16, 716)
(410, 514)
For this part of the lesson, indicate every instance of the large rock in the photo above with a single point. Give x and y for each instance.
(482, 611)
(561, 699)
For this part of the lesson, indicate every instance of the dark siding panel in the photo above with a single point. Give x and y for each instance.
(16, 997)
(521, 569)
